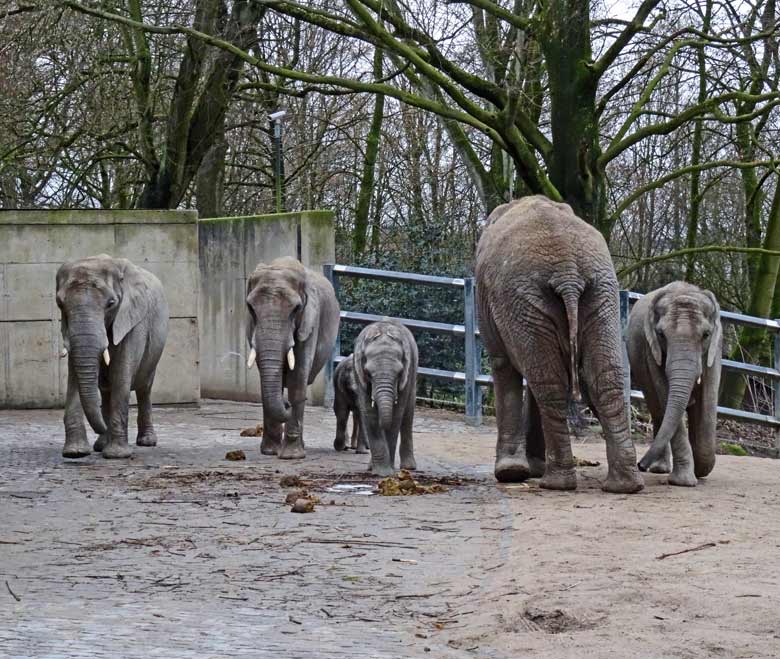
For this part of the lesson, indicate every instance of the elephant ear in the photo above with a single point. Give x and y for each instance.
(357, 360)
(650, 336)
(62, 276)
(251, 321)
(717, 331)
(134, 306)
(309, 315)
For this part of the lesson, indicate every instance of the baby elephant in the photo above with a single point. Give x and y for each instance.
(674, 346)
(385, 364)
(344, 402)
(114, 326)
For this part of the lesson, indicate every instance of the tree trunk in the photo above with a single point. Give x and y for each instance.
(574, 122)
(369, 165)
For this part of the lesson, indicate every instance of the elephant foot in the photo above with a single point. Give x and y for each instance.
(660, 466)
(409, 464)
(629, 483)
(292, 449)
(117, 450)
(340, 444)
(512, 469)
(559, 479)
(77, 447)
(382, 470)
(269, 446)
(361, 450)
(683, 478)
(100, 442)
(148, 438)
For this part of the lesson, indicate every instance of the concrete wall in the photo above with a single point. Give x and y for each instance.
(33, 244)
(230, 248)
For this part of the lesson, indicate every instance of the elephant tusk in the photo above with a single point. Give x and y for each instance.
(251, 360)
(106, 357)
(699, 380)
(373, 402)
(64, 353)
(291, 359)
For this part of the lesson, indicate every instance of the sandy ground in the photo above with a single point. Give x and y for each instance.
(180, 553)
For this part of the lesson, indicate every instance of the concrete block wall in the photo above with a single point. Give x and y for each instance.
(230, 248)
(33, 244)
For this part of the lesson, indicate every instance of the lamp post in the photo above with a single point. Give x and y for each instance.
(276, 131)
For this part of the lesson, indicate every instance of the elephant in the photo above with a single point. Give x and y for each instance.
(385, 364)
(344, 403)
(674, 348)
(548, 310)
(293, 321)
(114, 326)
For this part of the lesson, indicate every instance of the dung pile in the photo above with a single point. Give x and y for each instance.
(404, 485)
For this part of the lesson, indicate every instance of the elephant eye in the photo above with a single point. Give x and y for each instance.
(706, 334)
(111, 302)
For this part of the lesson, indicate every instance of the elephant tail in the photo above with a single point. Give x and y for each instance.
(569, 291)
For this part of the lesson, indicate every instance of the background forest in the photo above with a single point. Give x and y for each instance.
(657, 121)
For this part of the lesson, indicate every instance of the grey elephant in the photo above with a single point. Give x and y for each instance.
(674, 347)
(385, 364)
(114, 327)
(548, 304)
(292, 327)
(344, 404)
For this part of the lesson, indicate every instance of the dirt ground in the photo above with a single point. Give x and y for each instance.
(180, 553)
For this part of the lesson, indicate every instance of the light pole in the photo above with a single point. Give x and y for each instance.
(276, 130)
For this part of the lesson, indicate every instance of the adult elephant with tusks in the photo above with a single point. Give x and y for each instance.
(292, 327)
(548, 303)
(674, 346)
(114, 327)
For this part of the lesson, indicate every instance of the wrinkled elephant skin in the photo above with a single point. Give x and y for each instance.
(344, 404)
(114, 321)
(548, 311)
(674, 347)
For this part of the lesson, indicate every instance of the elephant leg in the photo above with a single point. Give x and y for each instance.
(656, 406)
(342, 419)
(271, 443)
(359, 441)
(382, 461)
(391, 437)
(76, 444)
(105, 410)
(292, 442)
(146, 435)
(534, 435)
(602, 366)
(682, 473)
(552, 399)
(407, 442)
(511, 461)
(120, 377)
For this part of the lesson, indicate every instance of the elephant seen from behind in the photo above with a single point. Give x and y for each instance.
(114, 326)
(674, 347)
(293, 321)
(548, 303)
(385, 366)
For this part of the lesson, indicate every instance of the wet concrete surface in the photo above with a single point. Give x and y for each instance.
(177, 552)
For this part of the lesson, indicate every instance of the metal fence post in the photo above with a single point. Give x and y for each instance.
(626, 364)
(472, 356)
(776, 388)
(330, 274)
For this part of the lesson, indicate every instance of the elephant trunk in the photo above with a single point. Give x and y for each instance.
(84, 359)
(269, 362)
(682, 370)
(384, 395)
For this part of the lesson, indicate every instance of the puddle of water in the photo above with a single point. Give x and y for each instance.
(352, 488)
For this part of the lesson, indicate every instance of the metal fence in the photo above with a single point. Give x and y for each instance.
(473, 379)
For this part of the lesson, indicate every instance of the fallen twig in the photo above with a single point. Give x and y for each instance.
(706, 545)
(13, 594)
(10, 542)
(329, 541)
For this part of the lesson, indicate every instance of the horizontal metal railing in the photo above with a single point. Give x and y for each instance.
(473, 379)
